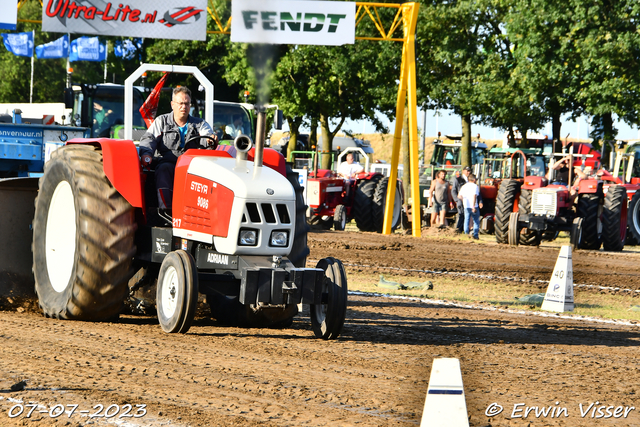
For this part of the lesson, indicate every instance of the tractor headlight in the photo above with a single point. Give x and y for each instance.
(279, 238)
(248, 237)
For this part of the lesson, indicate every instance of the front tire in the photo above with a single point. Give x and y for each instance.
(83, 238)
(527, 237)
(177, 292)
(340, 218)
(327, 319)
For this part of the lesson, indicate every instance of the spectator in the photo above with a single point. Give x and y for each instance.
(458, 180)
(440, 199)
(469, 195)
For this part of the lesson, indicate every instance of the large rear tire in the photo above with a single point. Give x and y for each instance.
(327, 319)
(379, 201)
(633, 217)
(614, 219)
(507, 195)
(83, 238)
(527, 237)
(589, 211)
(363, 203)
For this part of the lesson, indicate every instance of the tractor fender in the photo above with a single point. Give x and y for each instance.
(272, 159)
(532, 182)
(590, 186)
(121, 166)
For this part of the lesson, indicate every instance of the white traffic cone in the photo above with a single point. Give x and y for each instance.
(559, 296)
(445, 405)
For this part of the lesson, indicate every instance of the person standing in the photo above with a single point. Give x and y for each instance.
(440, 199)
(165, 140)
(469, 194)
(458, 180)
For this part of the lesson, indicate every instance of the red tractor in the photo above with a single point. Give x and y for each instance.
(334, 200)
(595, 219)
(237, 234)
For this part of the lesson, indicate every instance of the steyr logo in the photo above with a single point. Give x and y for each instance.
(181, 16)
(307, 22)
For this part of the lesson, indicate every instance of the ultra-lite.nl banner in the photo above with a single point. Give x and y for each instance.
(328, 23)
(160, 19)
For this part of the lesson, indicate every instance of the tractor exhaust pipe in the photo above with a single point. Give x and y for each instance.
(261, 128)
(242, 144)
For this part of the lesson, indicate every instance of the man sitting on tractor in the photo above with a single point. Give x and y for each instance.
(349, 169)
(562, 175)
(164, 142)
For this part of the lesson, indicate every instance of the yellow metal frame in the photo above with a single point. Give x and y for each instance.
(407, 15)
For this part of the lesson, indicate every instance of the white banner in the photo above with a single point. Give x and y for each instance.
(328, 23)
(9, 17)
(160, 19)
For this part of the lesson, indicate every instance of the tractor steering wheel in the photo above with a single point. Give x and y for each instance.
(212, 138)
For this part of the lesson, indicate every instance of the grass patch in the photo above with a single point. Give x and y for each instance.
(448, 288)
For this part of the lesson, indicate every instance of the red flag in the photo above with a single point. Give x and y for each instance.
(150, 106)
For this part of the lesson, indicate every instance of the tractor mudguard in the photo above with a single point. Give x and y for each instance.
(589, 186)
(121, 166)
(532, 182)
(271, 158)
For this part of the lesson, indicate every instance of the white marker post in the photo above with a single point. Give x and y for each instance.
(445, 405)
(559, 296)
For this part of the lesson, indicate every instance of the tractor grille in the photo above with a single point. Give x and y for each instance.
(544, 202)
(266, 213)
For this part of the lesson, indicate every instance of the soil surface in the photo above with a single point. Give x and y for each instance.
(518, 370)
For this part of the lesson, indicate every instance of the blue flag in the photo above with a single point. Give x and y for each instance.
(55, 49)
(87, 49)
(127, 49)
(20, 44)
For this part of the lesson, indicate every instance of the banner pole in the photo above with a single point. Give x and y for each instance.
(106, 56)
(32, 63)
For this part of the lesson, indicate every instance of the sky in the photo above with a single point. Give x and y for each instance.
(446, 122)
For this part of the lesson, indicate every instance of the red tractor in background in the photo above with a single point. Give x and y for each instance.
(591, 217)
(504, 165)
(333, 200)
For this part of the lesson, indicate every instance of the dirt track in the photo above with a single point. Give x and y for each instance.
(375, 374)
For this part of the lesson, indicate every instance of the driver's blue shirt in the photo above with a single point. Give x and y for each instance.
(183, 133)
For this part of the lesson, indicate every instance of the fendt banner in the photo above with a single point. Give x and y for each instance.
(159, 19)
(328, 23)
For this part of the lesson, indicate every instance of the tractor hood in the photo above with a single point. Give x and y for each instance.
(224, 196)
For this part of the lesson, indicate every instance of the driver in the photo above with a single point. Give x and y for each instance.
(165, 140)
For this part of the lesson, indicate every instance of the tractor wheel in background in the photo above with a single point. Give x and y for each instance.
(363, 204)
(633, 217)
(614, 219)
(513, 233)
(177, 292)
(507, 196)
(575, 237)
(229, 311)
(527, 237)
(340, 218)
(589, 211)
(83, 238)
(379, 200)
(327, 319)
